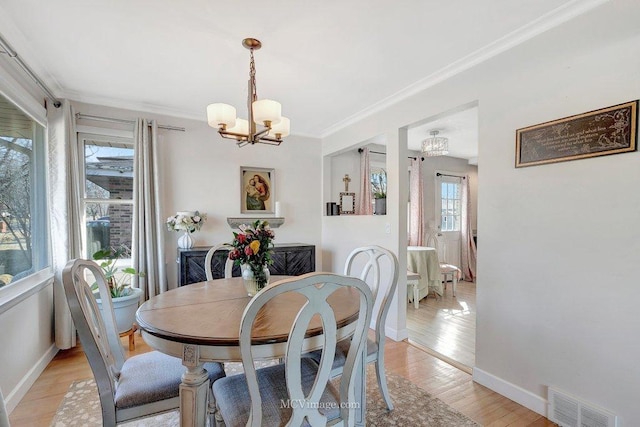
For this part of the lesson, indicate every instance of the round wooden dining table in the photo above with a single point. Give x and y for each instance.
(200, 323)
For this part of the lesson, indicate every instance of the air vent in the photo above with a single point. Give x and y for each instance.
(570, 411)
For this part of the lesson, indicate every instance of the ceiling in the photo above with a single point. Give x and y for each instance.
(328, 63)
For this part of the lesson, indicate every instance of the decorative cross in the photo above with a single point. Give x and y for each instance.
(346, 181)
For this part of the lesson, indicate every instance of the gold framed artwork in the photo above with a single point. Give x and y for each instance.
(257, 190)
(610, 130)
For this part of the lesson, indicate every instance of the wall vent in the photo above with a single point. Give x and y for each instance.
(570, 411)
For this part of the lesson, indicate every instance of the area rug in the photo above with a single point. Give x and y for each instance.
(413, 406)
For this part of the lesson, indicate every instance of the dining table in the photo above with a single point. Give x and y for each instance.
(200, 323)
(424, 261)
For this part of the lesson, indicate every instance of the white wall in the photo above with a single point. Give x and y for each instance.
(201, 171)
(557, 267)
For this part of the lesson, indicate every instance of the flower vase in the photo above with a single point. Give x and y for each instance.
(185, 241)
(251, 284)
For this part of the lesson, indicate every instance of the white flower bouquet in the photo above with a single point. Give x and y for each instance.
(188, 221)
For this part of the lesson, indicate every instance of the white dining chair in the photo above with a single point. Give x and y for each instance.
(259, 397)
(4, 415)
(228, 265)
(371, 272)
(447, 271)
(132, 388)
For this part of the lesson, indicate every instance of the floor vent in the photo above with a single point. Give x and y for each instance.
(569, 411)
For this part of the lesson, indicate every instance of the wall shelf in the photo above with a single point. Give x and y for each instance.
(274, 222)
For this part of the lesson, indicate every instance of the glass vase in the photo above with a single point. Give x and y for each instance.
(251, 284)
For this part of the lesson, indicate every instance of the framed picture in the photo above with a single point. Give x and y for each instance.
(347, 203)
(257, 190)
(610, 130)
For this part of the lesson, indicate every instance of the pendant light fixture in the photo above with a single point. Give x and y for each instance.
(263, 112)
(435, 145)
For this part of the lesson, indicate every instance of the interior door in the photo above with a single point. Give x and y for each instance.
(449, 216)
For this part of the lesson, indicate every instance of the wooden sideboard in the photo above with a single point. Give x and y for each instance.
(289, 259)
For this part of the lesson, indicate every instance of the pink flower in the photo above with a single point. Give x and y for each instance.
(248, 251)
(241, 238)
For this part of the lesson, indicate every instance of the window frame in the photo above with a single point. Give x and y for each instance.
(42, 275)
(82, 139)
(451, 178)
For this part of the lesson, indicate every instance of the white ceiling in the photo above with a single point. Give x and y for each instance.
(327, 62)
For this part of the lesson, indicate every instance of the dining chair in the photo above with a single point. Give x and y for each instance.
(447, 271)
(285, 394)
(136, 387)
(371, 273)
(228, 265)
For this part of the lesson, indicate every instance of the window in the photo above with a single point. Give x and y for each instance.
(451, 205)
(23, 213)
(107, 204)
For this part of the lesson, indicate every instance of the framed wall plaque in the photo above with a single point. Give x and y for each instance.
(610, 130)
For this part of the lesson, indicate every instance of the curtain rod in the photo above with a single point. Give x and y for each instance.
(13, 54)
(124, 121)
(454, 176)
(384, 154)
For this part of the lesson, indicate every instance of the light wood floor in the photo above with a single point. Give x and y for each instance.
(437, 378)
(447, 325)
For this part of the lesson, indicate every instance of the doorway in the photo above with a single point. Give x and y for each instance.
(444, 324)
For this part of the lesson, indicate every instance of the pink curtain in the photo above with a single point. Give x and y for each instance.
(416, 204)
(467, 245)
(364, 198)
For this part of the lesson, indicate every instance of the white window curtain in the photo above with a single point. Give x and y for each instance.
(467, 245)
(148, 225)
(416, 203)
(364, 198)
(65, 220)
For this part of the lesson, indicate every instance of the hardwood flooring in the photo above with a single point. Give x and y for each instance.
(438, 378)
(447, 325)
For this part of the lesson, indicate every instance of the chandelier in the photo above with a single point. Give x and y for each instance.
(264, 112)
(436, 145)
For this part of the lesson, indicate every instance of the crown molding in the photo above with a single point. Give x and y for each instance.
(544, 23)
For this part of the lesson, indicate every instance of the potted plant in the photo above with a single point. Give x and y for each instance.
(124, 297)
(379, 190)
(187, 221)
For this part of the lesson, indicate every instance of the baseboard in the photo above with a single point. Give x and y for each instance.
(396, 335)
(511, 391)
(15, 396)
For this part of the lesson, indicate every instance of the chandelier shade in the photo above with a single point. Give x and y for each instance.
(221, 114)
(280, 130)
(266, 113)
(435, 145)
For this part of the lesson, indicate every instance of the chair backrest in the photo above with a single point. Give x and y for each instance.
(97, 329)
(228, 265)
(371, 273)
(315, 288)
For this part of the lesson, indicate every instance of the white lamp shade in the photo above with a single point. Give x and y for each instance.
(241, 127)
(221, 114)
(281, 128)
(266, 110)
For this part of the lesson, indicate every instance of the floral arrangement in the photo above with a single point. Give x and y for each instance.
(116, 278)
(187, 221)
(253, 246)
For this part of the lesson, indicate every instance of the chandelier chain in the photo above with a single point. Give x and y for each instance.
(252, 74)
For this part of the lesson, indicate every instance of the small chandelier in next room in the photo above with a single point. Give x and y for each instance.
(435, 146)
(263, 112)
